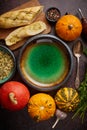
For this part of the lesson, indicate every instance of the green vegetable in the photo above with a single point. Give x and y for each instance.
(85, 51)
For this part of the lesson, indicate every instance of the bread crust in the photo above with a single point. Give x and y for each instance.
(26, 31)
(20, 17)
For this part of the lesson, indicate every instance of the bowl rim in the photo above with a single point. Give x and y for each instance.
(49, 18)
(14, 60)
(47, 36)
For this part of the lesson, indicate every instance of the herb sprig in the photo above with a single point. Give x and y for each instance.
(85, 51)
(82, 107)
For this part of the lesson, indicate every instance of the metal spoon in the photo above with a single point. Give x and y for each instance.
(60, 116)
(77, 51)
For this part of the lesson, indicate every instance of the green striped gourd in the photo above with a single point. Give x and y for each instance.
(67, 99)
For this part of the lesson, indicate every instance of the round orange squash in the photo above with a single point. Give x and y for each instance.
(68, 27)
(41, 106)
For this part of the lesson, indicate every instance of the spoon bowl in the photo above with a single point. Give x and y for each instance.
(78, 48)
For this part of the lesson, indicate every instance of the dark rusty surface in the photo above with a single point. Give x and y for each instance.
(20, 120)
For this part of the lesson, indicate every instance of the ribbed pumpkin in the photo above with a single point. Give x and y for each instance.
(68, 27)
(67, 99)
(41, 106)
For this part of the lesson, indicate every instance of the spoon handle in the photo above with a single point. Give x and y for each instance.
(77, 80)
(81, 13)
(57, 120)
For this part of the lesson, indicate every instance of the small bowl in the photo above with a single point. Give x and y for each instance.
(53, 14)
(45, 62)
(7, 64)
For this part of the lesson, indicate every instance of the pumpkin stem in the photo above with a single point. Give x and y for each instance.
(70, 26)
(12, 98)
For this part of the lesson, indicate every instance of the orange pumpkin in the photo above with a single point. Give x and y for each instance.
(41, 106)
(68, 27)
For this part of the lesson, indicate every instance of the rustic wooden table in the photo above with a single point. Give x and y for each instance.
(20, 120)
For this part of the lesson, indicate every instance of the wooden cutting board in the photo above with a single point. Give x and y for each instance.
(5, 32)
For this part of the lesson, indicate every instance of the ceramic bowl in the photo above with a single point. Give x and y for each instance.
(53, 14)
(7, 64)
(45, 62)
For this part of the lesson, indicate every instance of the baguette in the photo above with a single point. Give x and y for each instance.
(20, 17)
(26, 31)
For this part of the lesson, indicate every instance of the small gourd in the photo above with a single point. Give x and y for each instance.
(41, 107)
(14, 95)
(68, 27)
(67, 99)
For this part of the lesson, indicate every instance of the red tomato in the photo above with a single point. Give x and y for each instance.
(14, 95)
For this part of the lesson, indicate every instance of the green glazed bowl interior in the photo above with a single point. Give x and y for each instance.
(7, 51)
(45, 62)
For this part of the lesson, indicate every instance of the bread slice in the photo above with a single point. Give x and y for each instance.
(20, 17)
(26, 31)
